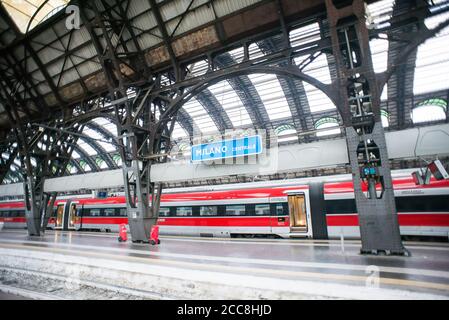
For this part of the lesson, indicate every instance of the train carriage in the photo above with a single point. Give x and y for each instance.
(289, 208)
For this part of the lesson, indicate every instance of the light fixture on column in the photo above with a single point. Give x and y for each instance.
(435, 168)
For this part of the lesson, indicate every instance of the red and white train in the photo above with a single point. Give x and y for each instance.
(318, 208)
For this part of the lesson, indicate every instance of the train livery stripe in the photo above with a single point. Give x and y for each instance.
(398, 184)
(15, 220)
(405, 219)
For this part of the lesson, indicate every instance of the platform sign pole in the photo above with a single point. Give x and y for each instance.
(359, 104)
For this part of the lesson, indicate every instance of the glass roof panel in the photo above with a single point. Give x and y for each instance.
(428, 113)
(231, 103)
(87, 148)
(318, 101)
(379, 54)
(197, 68)
(305, 34)
(237, 54)
(385, 117)
(178, 131)
(318, 69)
(432, 61)
(200, 116)
(92, 133)
(272, 95)
(327, 123)
(254, 51)
(97, 136)
(380, 12)
(429, 110)
(107, 125)
(21, 11)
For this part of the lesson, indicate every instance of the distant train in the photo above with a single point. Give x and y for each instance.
(318, 208)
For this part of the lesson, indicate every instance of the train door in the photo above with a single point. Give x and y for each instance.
(298, 214)
(66, 216)
(59, 224)
(71, 217)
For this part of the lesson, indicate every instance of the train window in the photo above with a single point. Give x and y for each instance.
(3, 213)
(109, 212)
(184, 211)
(94, 212)
(235, 210)
(122, 212)
(164, 212)
(280, 209)
(422, 204)
(209, 211)
(262, 209)
(22, 213)
(341, 206)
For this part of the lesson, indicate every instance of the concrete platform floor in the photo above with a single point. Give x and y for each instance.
(8, 296)
(426, 271)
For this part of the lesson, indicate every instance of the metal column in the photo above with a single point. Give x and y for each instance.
(359, 99)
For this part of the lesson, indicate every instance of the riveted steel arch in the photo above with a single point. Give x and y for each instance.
(289, 71)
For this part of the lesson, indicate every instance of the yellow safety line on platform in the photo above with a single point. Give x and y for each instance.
(246, 270)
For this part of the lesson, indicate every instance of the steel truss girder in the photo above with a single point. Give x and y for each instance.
(142, 144)
(43, 154)
(404, 77)
(139, 142)
(9, 147)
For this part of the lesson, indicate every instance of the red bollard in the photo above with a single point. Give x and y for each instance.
(154, 235)
(123, 233)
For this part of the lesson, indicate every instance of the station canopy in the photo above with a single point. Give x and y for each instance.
(291, 108)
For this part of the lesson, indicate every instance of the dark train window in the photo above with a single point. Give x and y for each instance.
(184, 211)
(341, 206)
(109, 212)
(262, 209)
(423, 203)
(94, 212)
(164, 212)
(235, 210)
(22, 213)
(122, 212)
(208, 211)
(279, 209)
(3, 214)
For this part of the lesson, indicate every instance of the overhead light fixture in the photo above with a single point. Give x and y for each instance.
(438, 170)
(435, 168)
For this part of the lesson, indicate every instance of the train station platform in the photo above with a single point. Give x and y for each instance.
(80, 265)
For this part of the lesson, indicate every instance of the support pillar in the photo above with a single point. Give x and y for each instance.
(359, 102)
(43, 154)
(141, 145)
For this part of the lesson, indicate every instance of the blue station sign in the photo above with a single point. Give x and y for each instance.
(232, 148)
